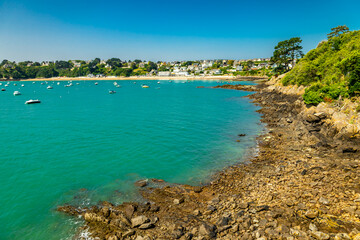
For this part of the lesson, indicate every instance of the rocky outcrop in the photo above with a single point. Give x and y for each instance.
(304, 183)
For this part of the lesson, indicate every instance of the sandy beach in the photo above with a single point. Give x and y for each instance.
(212, 78)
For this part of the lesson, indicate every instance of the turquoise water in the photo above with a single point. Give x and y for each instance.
(82, 145)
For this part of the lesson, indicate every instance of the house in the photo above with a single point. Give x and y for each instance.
(181, 73)
(239, 68)
(216, 71)
(163, 74)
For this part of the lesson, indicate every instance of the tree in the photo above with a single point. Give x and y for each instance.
(287, 52)
(337, 31)
(150, 66)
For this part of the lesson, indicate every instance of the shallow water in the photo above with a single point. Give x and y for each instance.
(81, 145)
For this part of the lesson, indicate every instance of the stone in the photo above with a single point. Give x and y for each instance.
(324, 201)
(146, 226)
(320, 115)
(112, 237)
(178, 201)
(197, 212)
(129, 210)
(207, 230)
(342, 236)
(222, 221)
(141, 183)
(262, 208)
(312, 118)
(243, 205)
(312, 213)
(312, 227)
(128, 233)
(320, 235)
(137, 221)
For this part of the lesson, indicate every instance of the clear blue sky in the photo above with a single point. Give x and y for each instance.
(164, 30)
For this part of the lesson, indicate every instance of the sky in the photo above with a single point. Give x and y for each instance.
(160, 30)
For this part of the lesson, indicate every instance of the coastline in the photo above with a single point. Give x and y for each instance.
(303, 184)
(213, 78)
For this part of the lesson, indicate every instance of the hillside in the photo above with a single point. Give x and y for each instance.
(330, 71)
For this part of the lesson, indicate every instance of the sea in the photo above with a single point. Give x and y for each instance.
(82, 145)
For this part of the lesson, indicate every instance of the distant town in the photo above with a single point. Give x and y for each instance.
(115, 67)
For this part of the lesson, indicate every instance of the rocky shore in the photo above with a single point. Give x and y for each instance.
(303, 184)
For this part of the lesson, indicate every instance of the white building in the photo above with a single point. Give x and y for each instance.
(163, 74)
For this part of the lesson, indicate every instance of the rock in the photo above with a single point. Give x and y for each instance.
(324, 201)
(242, 135)
(222, 221)
(197, 189)
(320, 115)
(129, 210)
(146, 226)
(312, 227)
(312, 118)
(197, 212)
(356, 237)
(349, 150)
(154, 208)
(112, 237)
(262, 208)
(178, 201)
(223, 228)
(137, 221)
(311, 213)
(289, 203)
(128, 233)
(243, 205)
(288, 120)
(320, 235)
(206, 230)
(141, 183)
(342, 236)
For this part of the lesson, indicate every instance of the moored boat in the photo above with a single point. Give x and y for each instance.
(49, 87)
(32, 101)
(112, 92)
(17, 93)
(3, 89)
(145, 86)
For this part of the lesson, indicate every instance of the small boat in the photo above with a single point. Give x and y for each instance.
(32, 101)
(0, 83)
(58, 83)
(3, 89)
(22, 85)
(42, 83)
(15, 84)
(33, 82)
(115, 83)
(145, 86)
(117, 86)
(6, 85)
(17, 93)
(49, 87)
(158, 82)
(112, 92)
(96, 83)
(77, 83)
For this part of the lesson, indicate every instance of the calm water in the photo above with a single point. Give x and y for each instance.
(82, 145)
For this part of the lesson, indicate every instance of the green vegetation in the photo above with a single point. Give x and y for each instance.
(331, 70)
(286, 53)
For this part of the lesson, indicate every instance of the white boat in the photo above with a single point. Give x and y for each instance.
(32, 101)
(17, 93)
(15, 84)
(42, 83)
(145, 86)
(115, 83)
(112, 92)
(77, 83)
(49, 87)
(6, 85)
(58, 83)
(22, 85)
(0, 83)
(117, 86)
(158, 82)
(33, 82)
(96, 83)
